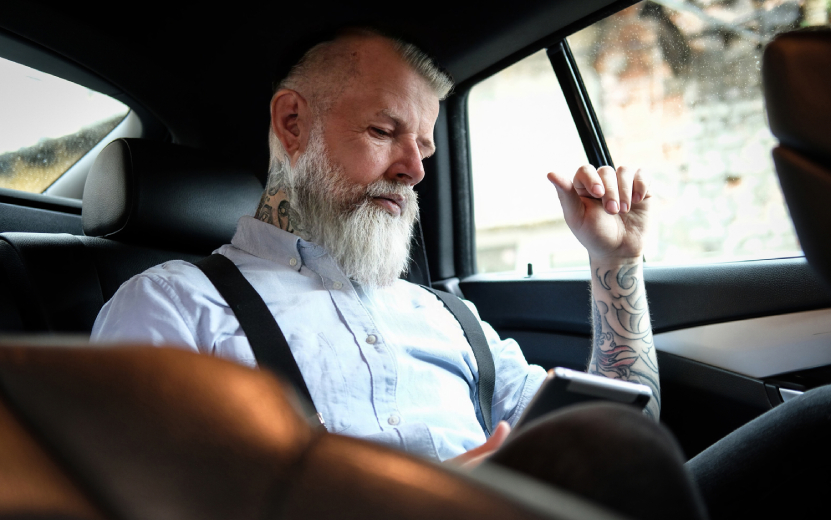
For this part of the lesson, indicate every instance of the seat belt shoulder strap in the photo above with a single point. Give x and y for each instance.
(271, 350)
(481, 350)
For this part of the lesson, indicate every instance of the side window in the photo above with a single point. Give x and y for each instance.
(47, 124)
(521, 129)
(676, 86)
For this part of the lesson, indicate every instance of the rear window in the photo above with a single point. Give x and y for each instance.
(47, 124)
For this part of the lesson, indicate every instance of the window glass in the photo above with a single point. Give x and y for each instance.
(676, 86)
(521, 129)
(47, 124)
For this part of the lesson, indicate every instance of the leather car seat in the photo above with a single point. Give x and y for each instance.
(145, 203)
(796, 74)
(132, 432)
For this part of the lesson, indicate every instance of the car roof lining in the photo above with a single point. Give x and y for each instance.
(206, 74)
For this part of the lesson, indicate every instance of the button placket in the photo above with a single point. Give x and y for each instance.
(380, 362)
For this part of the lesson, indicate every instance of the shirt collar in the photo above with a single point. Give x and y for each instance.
(269, 242)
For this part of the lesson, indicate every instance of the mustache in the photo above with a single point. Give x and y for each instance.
(385, 187)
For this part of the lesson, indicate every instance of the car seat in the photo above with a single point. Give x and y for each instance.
(145, 203)
(796, 74)
(131, 432)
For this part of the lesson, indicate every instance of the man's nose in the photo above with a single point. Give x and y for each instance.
(408, 168)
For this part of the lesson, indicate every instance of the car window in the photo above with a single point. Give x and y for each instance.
(520, 129)
(676, 87)
(47, 124)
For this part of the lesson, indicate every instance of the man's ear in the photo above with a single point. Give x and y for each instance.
(290, 121)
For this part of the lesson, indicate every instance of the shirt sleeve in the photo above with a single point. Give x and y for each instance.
(517, 381)
(144, 310)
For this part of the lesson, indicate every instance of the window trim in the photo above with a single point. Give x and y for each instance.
(40, 201)
(464, 251)
(31, 54)
(579, 103)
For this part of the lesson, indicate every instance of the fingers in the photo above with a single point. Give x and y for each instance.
(500, 433)
(611, 196)
(618, 189)
(497, 438)
(588, 183)
(625, 176)
(476, 456)
(640, 188)
(568, 194)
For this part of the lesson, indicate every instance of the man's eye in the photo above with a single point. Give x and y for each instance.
(379, 132)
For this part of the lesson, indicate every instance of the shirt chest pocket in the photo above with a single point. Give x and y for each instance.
(322, 371)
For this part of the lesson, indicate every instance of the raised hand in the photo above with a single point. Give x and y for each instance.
(606, 209)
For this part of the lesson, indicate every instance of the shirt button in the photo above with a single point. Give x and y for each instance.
(337, 285)
(371, 339)
(394, 420)
(293, 262)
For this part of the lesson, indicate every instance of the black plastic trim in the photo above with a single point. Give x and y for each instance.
(579, 104)
(701, 403)
(802, 380)
(464, 250)
(39, 201)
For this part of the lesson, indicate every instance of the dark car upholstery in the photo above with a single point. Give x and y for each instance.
(797, 82)
(146, 432)
(144, 203)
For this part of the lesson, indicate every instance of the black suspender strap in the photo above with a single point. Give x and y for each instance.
(481, 350)
(271, 350)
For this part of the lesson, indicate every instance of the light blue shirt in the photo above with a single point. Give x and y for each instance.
(388, 364)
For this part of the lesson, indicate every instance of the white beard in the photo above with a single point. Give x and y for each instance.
(371, 246)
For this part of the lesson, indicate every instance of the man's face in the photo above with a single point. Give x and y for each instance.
(381, 126)
(351, 188)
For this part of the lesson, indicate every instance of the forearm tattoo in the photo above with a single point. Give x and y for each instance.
(622, 346)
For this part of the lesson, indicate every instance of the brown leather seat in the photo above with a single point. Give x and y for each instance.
(797, 79)
(149, 433)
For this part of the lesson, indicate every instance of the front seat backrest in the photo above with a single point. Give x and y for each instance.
(797, 81)
(155, 433)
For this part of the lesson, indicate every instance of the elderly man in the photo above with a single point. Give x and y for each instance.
(383, 359)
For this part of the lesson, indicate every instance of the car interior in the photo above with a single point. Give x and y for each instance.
(139, 432)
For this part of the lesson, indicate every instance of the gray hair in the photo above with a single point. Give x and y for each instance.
(326, 70)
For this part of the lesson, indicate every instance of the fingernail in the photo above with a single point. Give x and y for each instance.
(624, 207)
(611, 206)
(597, 189)
(636, 197)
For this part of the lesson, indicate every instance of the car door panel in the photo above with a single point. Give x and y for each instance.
(766, 306)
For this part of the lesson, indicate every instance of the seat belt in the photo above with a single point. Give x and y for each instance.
(271, 350)
(481, 350)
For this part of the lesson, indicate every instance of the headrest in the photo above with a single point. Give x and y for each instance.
(796, 73)
(166, 196)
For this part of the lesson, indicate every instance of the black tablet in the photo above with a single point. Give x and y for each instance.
(563, 387)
